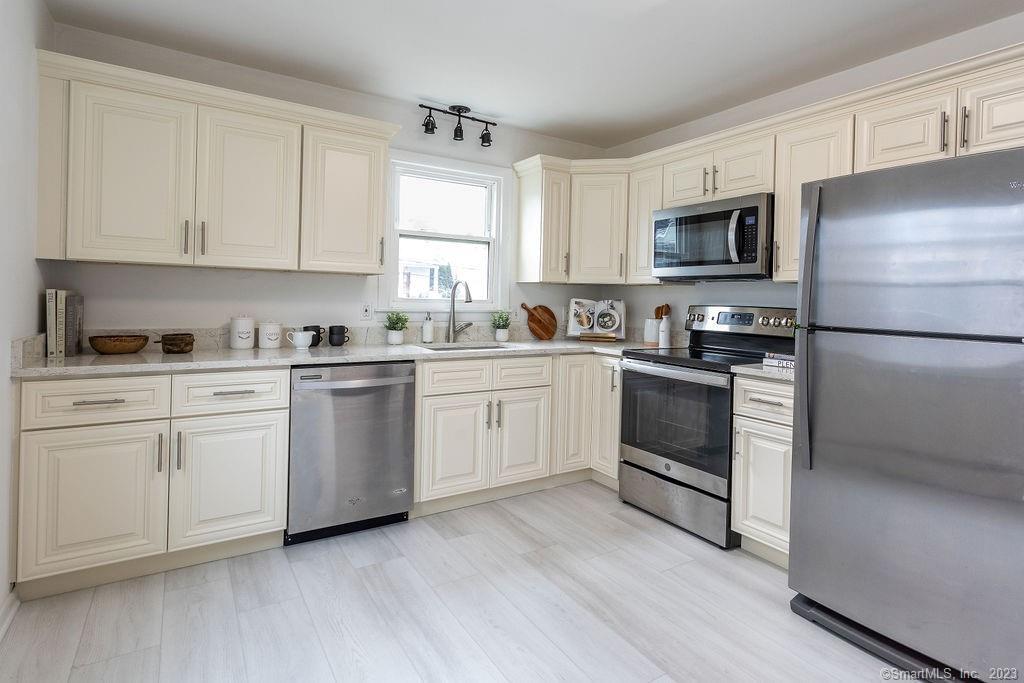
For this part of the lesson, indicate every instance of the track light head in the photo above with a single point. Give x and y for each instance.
(429, 124)
(457, 135)
(485, 137)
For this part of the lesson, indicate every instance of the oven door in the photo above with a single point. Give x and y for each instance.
(722, 239)
(676, 422)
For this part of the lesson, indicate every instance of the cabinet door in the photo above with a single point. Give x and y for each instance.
(687, 181)
(131, 177)
(247, 190)
(91, 496)
(342, 202)
(575, 398)
(995, 114)
(761, 481)
(816, 151)
(607, 415)
(229, 477)
(744, 168)
(555, 225)
(906, 132)
(522, 435)
(645, 192)
(597, 228)
(454, 444)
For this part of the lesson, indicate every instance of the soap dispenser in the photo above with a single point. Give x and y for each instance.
(428, 330)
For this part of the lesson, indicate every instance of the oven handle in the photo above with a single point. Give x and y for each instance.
(733, 223)
(711, 379)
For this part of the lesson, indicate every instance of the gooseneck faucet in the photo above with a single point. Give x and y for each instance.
(453, 329)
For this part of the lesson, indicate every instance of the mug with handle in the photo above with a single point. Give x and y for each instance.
(300, 339)
(337, 335)
(318, 334)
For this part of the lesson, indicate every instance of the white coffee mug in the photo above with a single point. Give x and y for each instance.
(300, 339)
(243, 333)
(270, 335)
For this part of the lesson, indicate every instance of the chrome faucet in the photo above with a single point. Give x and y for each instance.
(453, 329)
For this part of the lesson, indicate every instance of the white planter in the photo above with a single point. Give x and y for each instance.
(501, 335)
(396, 336)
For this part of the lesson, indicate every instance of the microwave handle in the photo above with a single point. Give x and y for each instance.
(733, 224)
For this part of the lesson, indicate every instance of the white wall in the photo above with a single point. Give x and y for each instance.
(24, 24)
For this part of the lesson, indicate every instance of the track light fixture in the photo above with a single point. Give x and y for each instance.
(459, 111)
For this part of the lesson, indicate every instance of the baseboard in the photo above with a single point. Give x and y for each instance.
(431, 507)
(154, 564)
(604, 480)
(765, 552)
(8, 608)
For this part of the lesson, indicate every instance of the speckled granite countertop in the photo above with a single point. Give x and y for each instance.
(760, 372)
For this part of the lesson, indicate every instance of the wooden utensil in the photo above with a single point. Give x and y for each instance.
(541, 321)
(661, 311)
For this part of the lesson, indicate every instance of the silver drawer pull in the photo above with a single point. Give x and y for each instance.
(755, 399)
(100, 402)
(238, 392)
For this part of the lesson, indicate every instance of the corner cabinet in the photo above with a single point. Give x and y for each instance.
(597, 228)
(544, 190)
(645, 193)
(607, 415)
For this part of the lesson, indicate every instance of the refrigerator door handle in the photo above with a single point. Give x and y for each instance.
(803, 365)
(803, 407)
(807, 258)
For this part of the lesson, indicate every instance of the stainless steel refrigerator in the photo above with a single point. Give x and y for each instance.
(907, 512)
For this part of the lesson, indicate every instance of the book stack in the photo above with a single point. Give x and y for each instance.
(779, 361)
(65, 321)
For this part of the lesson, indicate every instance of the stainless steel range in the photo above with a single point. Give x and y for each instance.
(675, 455)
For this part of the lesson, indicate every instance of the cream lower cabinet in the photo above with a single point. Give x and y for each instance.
(574, 413)
(607, 415)
(521, 435)
(228, 478)
(91, 496)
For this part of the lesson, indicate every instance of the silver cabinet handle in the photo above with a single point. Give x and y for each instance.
(186, 237)
(237, 392)
(615, 372)
(622, 260)
(714, 178)
(945, 132)
(566, 263)
(777, 256)
(488, 420)
(382, 251)
(179, 450)
(498, 416)
(705, 180)
(100, 402)
(202, 238)
(755, 399)
(160, 452)
(963, 131)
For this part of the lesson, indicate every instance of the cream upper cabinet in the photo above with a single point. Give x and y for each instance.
(342, 201)
(543, 240)
(574, 419)
(645, 193)
(688, 181)
(131, 176)
(247, 190)
(522, 435)
(597, 227)
(992, 114)
(761, 481)
(906, 131)
(455, 435)
(228, 477)
(818, 150)
(555, 231)
(91, 496)
(607, 415)
(744, 168)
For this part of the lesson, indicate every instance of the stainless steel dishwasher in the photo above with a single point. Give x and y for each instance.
(351, 450)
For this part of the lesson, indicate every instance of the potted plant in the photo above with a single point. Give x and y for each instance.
(396, 324)
(500, 321)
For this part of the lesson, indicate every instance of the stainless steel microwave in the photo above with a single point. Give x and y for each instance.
(728, 239)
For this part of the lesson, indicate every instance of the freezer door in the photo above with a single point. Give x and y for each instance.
(935, 247)
(908, 491)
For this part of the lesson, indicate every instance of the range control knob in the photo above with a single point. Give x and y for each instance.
(776, 322)
(691, 317)
(764, 320)
(787, 322)
(700, 317)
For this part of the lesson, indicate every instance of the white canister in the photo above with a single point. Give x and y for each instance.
(270, 335)
(243, 332)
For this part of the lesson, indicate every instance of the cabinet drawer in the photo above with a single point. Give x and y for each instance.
(229, 392)
(520, 373)
(772, 401)
(74, 402)
(456, 376)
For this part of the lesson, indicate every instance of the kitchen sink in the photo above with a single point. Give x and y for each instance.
(461, 346)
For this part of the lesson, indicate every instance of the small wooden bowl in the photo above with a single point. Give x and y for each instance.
(179, 342)
(118, 343)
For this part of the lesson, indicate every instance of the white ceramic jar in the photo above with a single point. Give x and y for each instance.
(270, 335)
(242, 333)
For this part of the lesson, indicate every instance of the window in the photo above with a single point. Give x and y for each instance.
(446, 227)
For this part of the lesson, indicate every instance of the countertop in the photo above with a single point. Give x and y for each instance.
(91, 365)
(760, 372)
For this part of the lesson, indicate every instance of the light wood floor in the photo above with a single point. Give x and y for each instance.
(564, 584)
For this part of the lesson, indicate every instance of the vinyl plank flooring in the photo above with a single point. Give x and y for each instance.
(124, 617)
(438, 645)
(368, 547)
(308, 550)
(490, 518)
(41, 641)
(195, 575)
(592, 645)
(358, 643)
(201, 640)
(141, 666)
(431, 555)
(262, 578)
(538, 512)
(280, 644)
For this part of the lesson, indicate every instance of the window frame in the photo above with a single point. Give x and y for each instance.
(499, 184)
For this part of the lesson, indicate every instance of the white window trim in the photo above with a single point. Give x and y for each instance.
(503, 182)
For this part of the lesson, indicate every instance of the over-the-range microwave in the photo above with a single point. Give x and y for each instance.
(728, 239)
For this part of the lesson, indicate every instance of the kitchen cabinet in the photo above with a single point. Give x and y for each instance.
(228, 477)
(91, 496)
(574, 419)
(906, 130)
(688, 181)
(52, 169)
(454, 444)
(645, 197)
(816, 150)
(521, 435)
(732, 170)
(543, 244)
(131, 176)
(598, 217)
(342, 202)
(247, 190)
(761, 481)
(991, 113)
(607, 415)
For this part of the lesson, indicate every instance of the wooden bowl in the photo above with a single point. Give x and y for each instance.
(179, 342)
(118, 343)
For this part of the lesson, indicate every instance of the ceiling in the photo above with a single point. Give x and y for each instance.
(601, 72)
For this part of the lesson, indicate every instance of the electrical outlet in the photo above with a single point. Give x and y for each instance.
(367, 312)
(565, 313)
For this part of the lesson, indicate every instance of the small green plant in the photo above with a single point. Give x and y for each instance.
(396, 321)
(500, 320)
